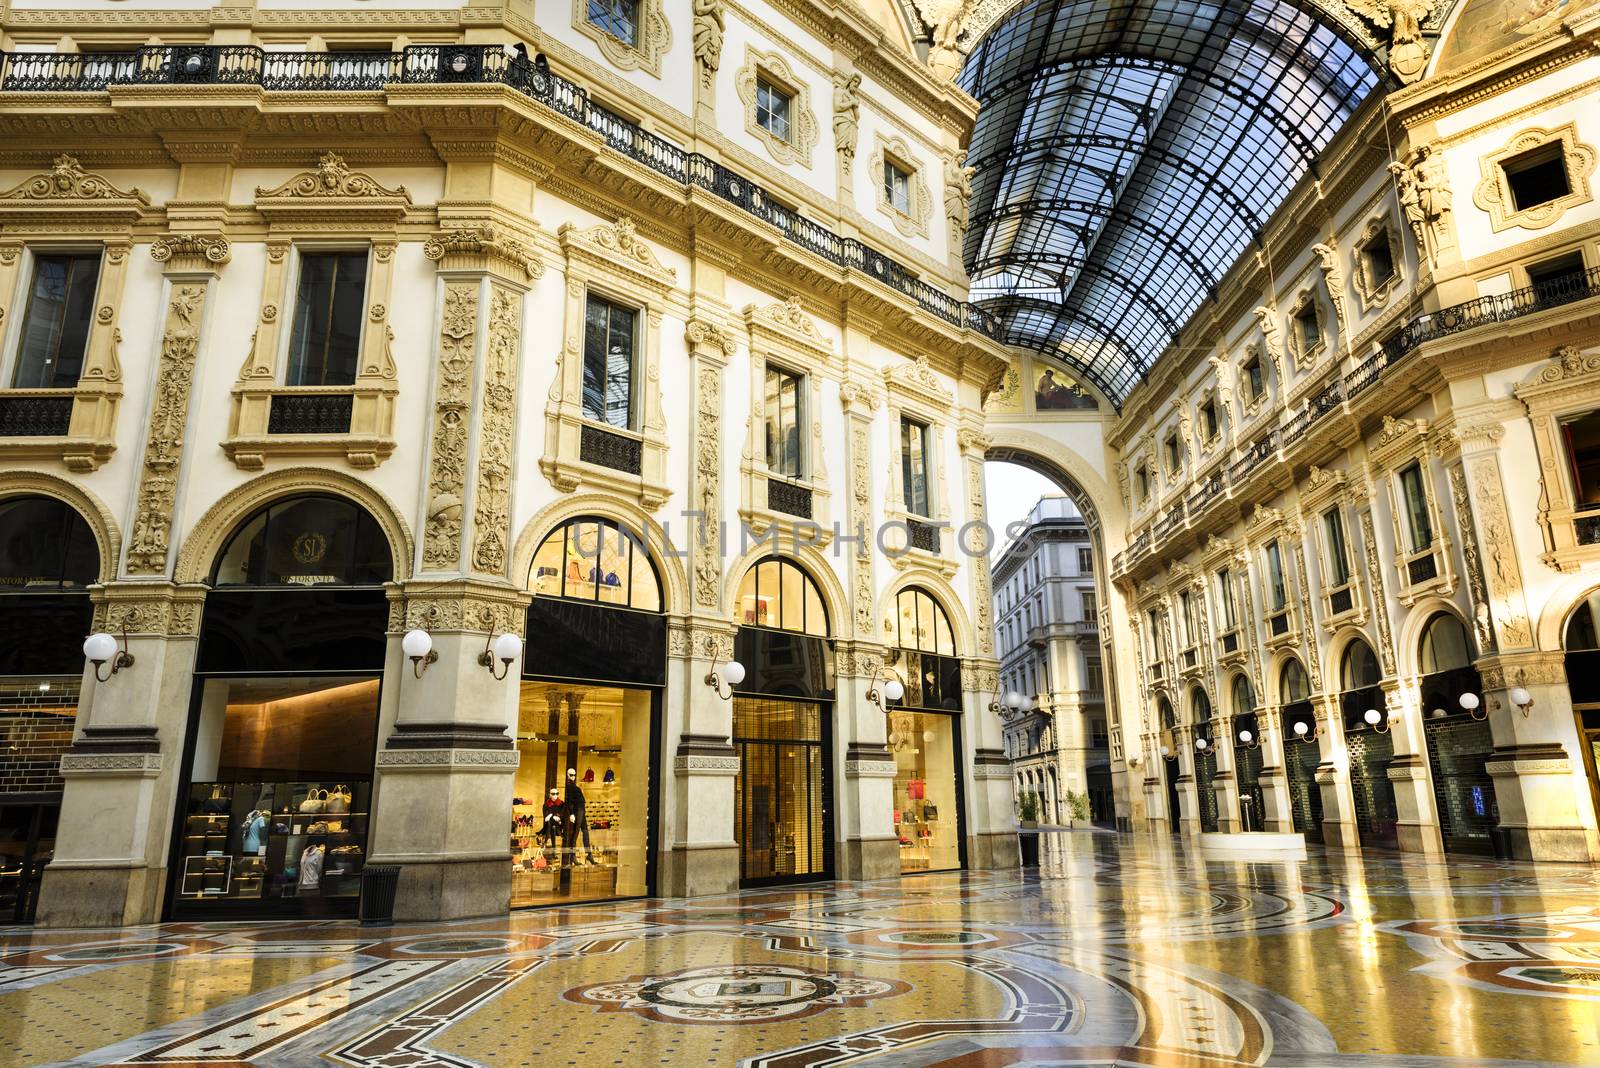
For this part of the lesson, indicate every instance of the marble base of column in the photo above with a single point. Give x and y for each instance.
(1534, 789)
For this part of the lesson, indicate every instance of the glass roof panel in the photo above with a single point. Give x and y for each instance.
(1127, 152)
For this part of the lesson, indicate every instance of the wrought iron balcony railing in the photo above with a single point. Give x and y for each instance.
(473, 64)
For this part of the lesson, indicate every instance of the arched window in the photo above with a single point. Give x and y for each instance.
(1244, 700)
(1201, 705)
(1359, 668)
(1294, 686)
(45, 545)
(306, 541)
(778, 594)
(1583, 629)
(921, 624)
(1168, 719)
(1445, 645)
(594, 559)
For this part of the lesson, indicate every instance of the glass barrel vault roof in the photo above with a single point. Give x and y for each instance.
(1127, 152)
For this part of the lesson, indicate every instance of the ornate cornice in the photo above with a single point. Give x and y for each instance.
(332, 192)
(918, 379)
(479, 249)
(708, 335)
(67, 180)
(787, 322)
(191, 253)
(617, 244)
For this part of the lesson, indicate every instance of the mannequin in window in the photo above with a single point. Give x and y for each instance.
(255, 831)
(577, 818)
(555, 819)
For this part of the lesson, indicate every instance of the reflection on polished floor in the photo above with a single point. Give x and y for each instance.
(1121, 950)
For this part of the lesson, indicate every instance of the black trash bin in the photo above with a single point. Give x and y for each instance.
(378, 884)
(1028, 844)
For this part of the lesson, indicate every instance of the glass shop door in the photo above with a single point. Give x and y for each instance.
(27, 842)
(780, 796)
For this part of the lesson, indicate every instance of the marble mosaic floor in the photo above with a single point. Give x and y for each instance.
(1120, 950)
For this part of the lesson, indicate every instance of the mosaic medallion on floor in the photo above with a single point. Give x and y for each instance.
(732, 995)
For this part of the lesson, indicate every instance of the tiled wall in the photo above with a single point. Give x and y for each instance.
(35, 728)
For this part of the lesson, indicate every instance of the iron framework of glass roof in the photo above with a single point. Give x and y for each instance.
(1128, 151)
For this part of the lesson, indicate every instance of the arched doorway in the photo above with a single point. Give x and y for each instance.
(588, 717)
(275, 806)
(783, 726)
(48, 557)
(1582, 643)
(1247, 756)
(1456, 728)
(924, 734)
(1371, 748)
(1301, 753)
(1171, 766)
(1205, 759)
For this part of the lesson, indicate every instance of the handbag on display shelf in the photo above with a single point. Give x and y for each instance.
(338, 800)
(914, 789)
(897, 817)
(217, 804)
(316, 801)
(930, 813)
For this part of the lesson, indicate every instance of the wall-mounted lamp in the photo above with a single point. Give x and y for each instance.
(1201, 744)
(891, 691)
(1521, 698)
(732, 674)
(1012, 700)
(1380, 723)
(101, 648)
(1166, 751)
(504, 649)
(1472, 705)
(1304, 731)
(1249, 740)
(418, 645)
(1135, 760)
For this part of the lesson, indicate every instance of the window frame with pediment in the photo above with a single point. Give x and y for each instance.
(1324, 492)
(655, 37)
(1374, 293)
(1210, 396)
(1493, 192)
(804, 132)
(913, 392)
(1252, 400)
(784, 336)
(330, 208)
(1268, 527)
(68, 210)
(1401, 443)
(1567, 385)
(1225, 567)
(912, 222)
(1307, 301)
(610, 260)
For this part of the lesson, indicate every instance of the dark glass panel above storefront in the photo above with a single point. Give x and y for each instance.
(574, 640)
(305, 631)
(782, 664)
(44, 633)
(45, 545)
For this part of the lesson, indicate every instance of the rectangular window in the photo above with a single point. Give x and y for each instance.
(783, 414)
(1092, 679)
(915, 457)
(1254, 383)
(1415, 499)
(1085, 561)
(1142, 478)
(1275, 587)
(1208, 420)
(55, 328)
(609, 337)
(1338, 553)
(1186, 604)
(897, 186)
(1157, 650)
(1086, 604)
(1559, 276)
(1537, 177)
(619, 18)
(325, 345)
(1174, 457)
(1377, 260)
(1230, 617)
(772, 109)
(1582, 437)
(1307, 328)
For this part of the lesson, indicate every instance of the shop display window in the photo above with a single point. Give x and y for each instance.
(924, 748)
(580, 814)
(593, 560)
(278, 804)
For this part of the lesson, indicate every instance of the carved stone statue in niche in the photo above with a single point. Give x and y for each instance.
(1426, 199)
(846, 116)
(958, 195)
(708, 26)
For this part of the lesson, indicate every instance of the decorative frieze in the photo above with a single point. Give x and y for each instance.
(491, 517)
(1502, 573)
(452, 410)
(471, 607)
(1375, 590)
(708, 477)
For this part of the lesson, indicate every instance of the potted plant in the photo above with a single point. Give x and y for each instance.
(1077, 808)
(1028, 809)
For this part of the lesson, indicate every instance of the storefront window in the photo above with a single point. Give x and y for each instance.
(280, 784)
(923, 735)
(579, 817)
(924, 747)
(595, 560)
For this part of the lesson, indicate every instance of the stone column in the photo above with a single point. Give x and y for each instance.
(864, 813)
(122, 771)
(1279, 814)
(1333, 776)
(447, 762)
(1188, 789)
(1226, 781)
(1417, 816)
